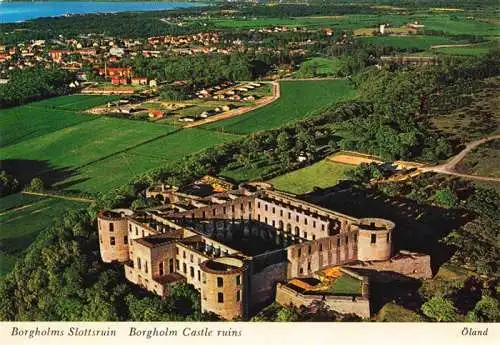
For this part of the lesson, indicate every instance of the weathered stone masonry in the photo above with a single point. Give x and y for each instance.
(236, 247)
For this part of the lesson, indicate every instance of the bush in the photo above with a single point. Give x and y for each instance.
(36, 185)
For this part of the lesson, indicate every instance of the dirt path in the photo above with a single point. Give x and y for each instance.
(15, 209)
(240, 111)
(59, 196)
(313, 79)
(449, 167)
(451, 46)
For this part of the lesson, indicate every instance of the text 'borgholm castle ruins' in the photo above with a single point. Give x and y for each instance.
(245, 247)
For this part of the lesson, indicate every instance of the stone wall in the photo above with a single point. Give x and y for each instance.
(263, 284)
(306, 258)
(413, 265)
(342, 304)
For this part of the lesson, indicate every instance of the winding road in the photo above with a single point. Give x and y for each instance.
(449, 166)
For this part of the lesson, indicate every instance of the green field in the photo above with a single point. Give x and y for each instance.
(22, 218)
(346, 285)
(322, 66)
(340, 22)
(407, 42)
(472, 50)
(26, 122)
(322, 174)
(86, 153)
(125, 165)
(456, 25)
(75, 102)
(299, 99)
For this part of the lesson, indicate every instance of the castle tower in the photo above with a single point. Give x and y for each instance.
(113, 235)
(374, 239)
(223, 289)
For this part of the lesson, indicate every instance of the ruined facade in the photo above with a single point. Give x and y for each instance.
(235, 247)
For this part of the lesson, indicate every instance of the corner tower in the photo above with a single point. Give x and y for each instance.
(113, 236)
(224, 285)
(374, 239)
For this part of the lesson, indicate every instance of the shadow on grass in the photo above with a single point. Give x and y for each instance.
(419, 227)
(386, 286)
(25, 170)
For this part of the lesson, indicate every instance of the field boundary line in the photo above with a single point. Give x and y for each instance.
(58, 196)
(128, 149)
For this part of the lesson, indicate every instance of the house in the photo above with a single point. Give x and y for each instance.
(416, 25)
(156, 114)
(116, 72)
(139, 81)
(328, 32)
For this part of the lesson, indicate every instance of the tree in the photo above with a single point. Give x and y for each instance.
(439, 309)
(284, 148)
(36, 185)
(287, 314)
(8, 184)
(486, 310)
(477, 244)
(446, 197)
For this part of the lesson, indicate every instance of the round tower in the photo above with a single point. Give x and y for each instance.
(223, 288)
(374, 239)
(113, 235)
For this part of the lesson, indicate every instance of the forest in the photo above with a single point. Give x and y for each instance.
(33, 84)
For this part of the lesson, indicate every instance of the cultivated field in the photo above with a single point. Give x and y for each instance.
(91, 154)
(26, 122)
(407, 42)
(299, 99)
(96, 177)
(322, 174)
(22, 218)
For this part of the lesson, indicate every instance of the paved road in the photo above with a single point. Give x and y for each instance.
(240, 111)
(449, 166)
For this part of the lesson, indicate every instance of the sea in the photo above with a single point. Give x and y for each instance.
(18, 11)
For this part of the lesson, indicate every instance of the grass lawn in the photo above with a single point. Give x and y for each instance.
(75, 102)
(328, 67)
(22, 218)
(322, 174)
(484, 160)
(407, 42)
(299, 99)
(345, 285)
